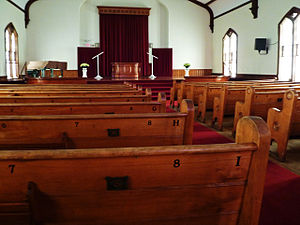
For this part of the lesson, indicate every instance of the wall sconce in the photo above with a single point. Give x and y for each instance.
(261, 45)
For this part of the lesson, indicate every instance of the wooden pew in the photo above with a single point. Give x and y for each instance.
(98, 130)
(192, 90)
(207, 95)
(258, 101)
(173, 92)
(69, 93)
(205, 184)
(224, 104)
(61, 99)
(75, 108)
(285, 124)
(205, 100)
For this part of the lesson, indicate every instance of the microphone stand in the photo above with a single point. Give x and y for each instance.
(152, 77)
(98, 77)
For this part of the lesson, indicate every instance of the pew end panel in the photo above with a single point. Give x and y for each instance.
(148, 93)
(247, 133)
(172, 97)
(214, 184)
(162, 99)
(280, 122)
(219, 108)
(202, 99)
(187, 107)
(243, 108)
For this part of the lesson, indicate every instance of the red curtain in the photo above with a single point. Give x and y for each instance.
(124, 38)
(163, 66)
(85, 55)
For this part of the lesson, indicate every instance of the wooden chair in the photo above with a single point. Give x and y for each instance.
(207, 184)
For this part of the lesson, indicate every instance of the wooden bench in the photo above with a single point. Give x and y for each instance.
(97, 130)
(173, 92)
(61, 99)
(73, 108)
(206, 184)
(285, 124)
(69, 93)
(224, 104)
(258, 101)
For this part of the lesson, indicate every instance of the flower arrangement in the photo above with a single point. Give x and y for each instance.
(186, 65)
(84, 65)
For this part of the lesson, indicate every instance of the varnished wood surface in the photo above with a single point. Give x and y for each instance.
(284, 124)
(258, 100)
(81, 108)
(93, 130)
(62, 99)
(125, 152)
(208, 184)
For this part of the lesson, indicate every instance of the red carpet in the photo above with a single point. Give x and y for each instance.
(281, 201)
(203, 135)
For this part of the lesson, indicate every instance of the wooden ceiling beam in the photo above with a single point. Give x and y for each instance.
(254, 8)
(14, 4)
(211, 1)
(27, 7)
(211, 13)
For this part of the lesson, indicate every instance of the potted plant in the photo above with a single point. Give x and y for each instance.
(84, 67)
(186, 65)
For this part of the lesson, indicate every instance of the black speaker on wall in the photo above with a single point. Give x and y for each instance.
(261, 44)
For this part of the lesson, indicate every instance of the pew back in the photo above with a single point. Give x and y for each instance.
(209, 184)
(258, 101)
(98, 130)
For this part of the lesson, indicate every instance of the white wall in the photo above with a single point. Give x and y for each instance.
(10, 14)
(57, 28)
(53, 31)
(247, 28)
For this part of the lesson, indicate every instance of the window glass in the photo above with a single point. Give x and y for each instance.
(286, 50)
(11, 52)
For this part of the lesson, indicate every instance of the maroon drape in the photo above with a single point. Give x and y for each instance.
(124, 38)
(163, 66)
(85, 55)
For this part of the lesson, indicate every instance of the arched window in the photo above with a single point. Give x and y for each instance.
(230, 53)
(288, 48)
(11, 52)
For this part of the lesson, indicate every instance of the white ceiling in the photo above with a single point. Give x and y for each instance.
(218, 6)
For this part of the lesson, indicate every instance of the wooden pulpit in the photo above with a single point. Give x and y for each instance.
(125, 70)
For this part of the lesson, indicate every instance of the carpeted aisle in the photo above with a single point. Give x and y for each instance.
(281, 201)
(203, 135)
